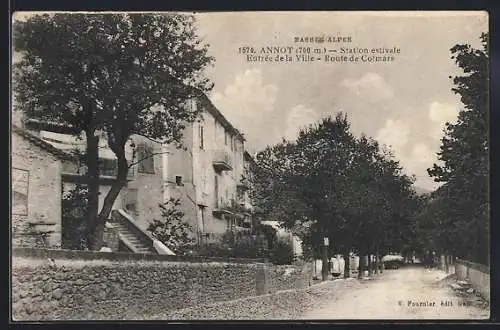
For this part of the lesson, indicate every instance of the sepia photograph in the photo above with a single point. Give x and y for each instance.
(266, 165)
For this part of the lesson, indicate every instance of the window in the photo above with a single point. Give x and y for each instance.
(20, 179)
(202, 218)
(178, 180)
(225, 137)
(146, 159)
(194, 105)
(201, 137)
(216, 190)
(240, 194)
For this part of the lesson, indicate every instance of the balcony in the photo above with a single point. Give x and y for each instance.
(222, 160)
(243, 184)
(221, 208)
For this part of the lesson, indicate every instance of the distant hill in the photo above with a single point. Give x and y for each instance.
(422, 191)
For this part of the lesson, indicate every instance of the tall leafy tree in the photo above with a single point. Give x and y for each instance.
(120, 74)
(335, 185)
(464, 156)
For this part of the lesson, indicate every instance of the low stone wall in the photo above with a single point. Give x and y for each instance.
(79, 285)
(477, 274)
(284, 277)
(282, 305)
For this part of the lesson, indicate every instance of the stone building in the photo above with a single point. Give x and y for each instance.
(210, 176)
(207, 177)
(36, 190)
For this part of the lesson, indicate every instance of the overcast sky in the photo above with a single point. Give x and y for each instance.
(403, 104)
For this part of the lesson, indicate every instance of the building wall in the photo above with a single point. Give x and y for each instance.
(144, 190)
(180, 165)
(214, 141)
(148, 186)
(43, 191)
(194, 166)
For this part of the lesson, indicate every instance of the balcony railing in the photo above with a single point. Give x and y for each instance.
(232, 207)
(222, 207)
(244, 183)
(222, 160)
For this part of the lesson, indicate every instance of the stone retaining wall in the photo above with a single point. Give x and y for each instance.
(282, 305)
(477, 274)
(103, 288)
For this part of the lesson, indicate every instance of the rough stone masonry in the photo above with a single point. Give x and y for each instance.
(97, 289)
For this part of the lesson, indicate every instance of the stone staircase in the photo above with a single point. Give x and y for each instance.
(127, 236)
(131, 236)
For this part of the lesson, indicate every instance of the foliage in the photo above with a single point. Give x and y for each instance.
(282, 252)
(244, 245)
(331, 183)
(120, 74)
(171, 230)
(457, 217)
(74, 207)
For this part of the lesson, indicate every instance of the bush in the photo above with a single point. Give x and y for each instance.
(282, 252)
(235, 245)
(74, 218)
(171, 230)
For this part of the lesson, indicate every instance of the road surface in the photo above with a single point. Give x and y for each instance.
(406, 293)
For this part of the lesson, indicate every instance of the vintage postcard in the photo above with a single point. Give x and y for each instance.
(250, 166)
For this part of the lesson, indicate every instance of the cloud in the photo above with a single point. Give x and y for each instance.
(420, 158)
(247, 103)
(298, 117)
(440, 114)
(395, 134)
(415, 159)
(418, 161)
(370, 86)
(423, 154)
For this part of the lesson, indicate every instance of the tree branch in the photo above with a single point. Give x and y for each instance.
(151, 155)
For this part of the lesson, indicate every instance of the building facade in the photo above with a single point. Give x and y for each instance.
(36, 190)
(209, 175)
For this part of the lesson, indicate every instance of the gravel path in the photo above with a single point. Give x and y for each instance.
(407, 293)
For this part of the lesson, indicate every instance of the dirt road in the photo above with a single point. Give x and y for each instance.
(407, 293)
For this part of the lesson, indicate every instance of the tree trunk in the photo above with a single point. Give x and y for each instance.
(370, 264)
(324, 264)
(361, 265)
(347, 261)
(92, 155)
(377, 260)
(116, 187)
(446, 263)
(110, 198)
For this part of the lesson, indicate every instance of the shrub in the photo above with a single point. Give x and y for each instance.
(282, 252)
(235, 245)
(74, 211)
(171, 230)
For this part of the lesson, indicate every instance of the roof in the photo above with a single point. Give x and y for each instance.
(68, 129)
(210, 107)
(50, 126)
(41, 143)
(249, 158)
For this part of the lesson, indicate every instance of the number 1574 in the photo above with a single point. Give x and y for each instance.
(245, 50)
